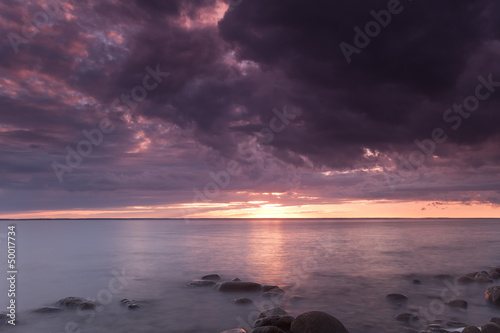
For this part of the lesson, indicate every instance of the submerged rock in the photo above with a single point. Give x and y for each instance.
(317, 322)
(242, 301)
(490, 328)
(492, 295)
(238, 286)
(458, 303)
(396, 297)
(407, 317)
(201, 283)
(211, 277)
(471, 329)
(48, 309)
(273, 312)
(73, 302)
(483, 277)
(235, 330)
(266, 288)
(236, 279)
(283, 322)
(464, 279)
(495, 320)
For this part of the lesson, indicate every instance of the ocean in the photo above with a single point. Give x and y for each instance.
(344, 267)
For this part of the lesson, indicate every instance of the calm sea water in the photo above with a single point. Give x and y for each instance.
(342, 267)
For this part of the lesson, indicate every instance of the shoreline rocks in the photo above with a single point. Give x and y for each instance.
(492, 295)
(238, 286)
(317, 322)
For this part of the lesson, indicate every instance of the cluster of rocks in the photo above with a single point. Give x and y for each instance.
(492, 295)
(275, 320)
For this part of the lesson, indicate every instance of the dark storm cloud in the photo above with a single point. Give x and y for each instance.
(352, 119)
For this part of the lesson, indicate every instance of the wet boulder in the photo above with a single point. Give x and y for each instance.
(317, 322)
(77, 302)
(471, 329)
(283, 322)
(211, 277)
(396, 297)
(267, 329)
(492, 295)
(457, 303)
(242, 301)
(273, 312)
(201, 283)
(235, 330)
(490, 328)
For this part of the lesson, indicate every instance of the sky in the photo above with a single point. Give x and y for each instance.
(249, 108)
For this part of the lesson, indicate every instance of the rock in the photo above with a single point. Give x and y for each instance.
(267, 329)
(235, 330)
(495, 270)
(211, 277)
(283, 322)
(266, 288)
(416, 281)
(48, 309)
(490, 328)
(236, 279)
(458, 303)
(481, 277)
(396, 297)
(133, 306)
(201, 283)
(273, 312)
(492, 295)
(444, 277)
(495, 320)
(296, 298)
(238, 286)
(471, 329)
(471, 275)
(407, 317)
(277, 290)
(317, 322)
(242, 301)
(495, 275)
(452, 323)
(464, 279)
(73, 302)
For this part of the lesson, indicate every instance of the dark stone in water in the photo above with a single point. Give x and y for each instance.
(416, 281)
(396, 297)
(273, 312)
(296, 298)
(482, 277)
(317, 322)
(73, 302)
(211, 277)
(407, 317)
(452, 323)
(471, 329)
(266, 288)
(49, 309)
(490, 328)
(464, 279)
(283, 322)
(495, 320)
(492, 295)
(238, 286)
(133, 306)
(235, 330)
(242, 301)
(267, 329)
(236, 279)
(458, 303)
(201, 283)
